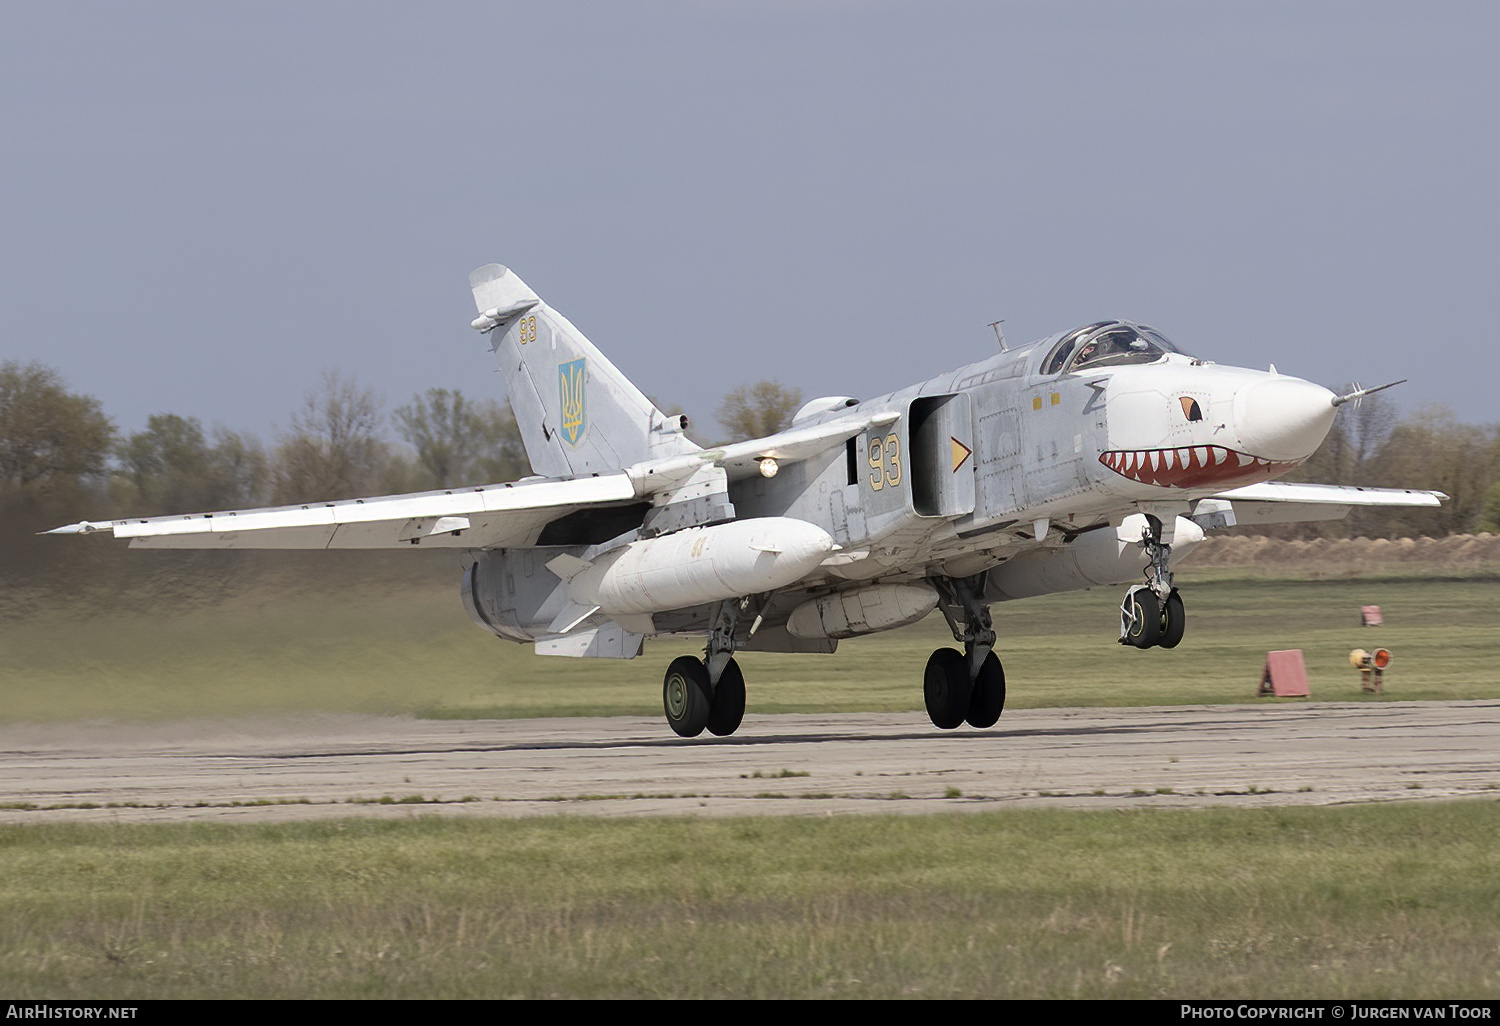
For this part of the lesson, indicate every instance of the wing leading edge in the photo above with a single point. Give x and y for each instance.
(1279, 502)
(491, 516)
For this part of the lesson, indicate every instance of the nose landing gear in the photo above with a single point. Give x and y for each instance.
(1152, 614)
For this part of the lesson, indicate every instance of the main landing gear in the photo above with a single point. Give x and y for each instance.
(968, 686)
(708, 692)
(1152, 613)
(693, 703)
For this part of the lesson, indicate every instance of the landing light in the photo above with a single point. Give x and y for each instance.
(768, 467)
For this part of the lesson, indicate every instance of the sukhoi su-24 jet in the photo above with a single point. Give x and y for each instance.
(1098, 456)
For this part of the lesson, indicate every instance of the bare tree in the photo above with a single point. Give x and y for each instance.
(754, 411)
(1431, 449)
(1364, 427)
(462, 442)
(170, 467)
(239, 468)
(1367, 425)
(333, 450)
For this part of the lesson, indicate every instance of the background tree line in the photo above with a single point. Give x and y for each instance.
(62, 459)
(1372, 443)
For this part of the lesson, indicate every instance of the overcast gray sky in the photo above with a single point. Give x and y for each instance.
(204, 205)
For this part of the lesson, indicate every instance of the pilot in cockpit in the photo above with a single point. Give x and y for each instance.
(1113, 343)
(1121, 345)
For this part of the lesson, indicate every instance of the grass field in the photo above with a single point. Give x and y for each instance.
(411, 651)
(1369, 902)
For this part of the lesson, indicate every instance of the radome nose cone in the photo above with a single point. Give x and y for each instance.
(1283, 418)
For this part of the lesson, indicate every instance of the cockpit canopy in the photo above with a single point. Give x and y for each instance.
(1106, 344)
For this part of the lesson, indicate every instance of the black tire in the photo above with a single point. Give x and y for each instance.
(946, 687)
(728, 706)
(1173, 621)
(987, 700)
(1145, 618)
(685, 696)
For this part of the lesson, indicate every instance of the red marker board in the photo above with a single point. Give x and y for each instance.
(1285, 675)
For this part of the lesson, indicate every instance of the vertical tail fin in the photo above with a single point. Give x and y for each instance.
(577, 413)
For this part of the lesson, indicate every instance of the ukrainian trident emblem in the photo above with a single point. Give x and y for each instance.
(570, 378)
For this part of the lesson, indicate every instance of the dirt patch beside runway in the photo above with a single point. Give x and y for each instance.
(273, 769)
(1458, 555)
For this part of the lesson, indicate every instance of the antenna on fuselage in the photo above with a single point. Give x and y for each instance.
(1000, 335)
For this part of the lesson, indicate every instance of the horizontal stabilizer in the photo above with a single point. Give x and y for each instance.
(607, 641)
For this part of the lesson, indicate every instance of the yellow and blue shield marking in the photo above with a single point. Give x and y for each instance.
(570, 379)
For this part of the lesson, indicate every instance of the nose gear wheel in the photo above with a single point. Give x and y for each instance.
(1173, 621)
(1140, 617)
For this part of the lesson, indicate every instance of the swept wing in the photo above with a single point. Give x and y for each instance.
(490, 516)
(508, 515)
(1278, 502)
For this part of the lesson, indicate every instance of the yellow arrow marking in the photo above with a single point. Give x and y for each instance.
(960, 451)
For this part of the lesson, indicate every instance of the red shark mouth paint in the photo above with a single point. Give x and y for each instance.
(1192, 466)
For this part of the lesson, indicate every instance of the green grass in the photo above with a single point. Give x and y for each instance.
(1369, 902)
(1394, 901)
(411, 651)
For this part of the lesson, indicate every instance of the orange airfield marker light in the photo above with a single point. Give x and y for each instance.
(1371, 667)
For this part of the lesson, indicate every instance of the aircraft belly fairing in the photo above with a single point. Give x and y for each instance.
(1096, 457)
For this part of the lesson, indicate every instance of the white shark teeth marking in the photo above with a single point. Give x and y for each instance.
(1188, 466)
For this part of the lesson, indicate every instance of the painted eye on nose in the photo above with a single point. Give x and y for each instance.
(1190, 408)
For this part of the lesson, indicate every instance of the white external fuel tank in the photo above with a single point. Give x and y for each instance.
(846, 614)
(698, 565)
(1103, 556)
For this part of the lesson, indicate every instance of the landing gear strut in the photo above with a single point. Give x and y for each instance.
(1152, 613)
(967, 686)
(708, 692)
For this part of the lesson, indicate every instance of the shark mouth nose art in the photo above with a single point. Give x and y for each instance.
(1191, 466)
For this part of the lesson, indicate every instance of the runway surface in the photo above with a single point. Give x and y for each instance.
(275, 769)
